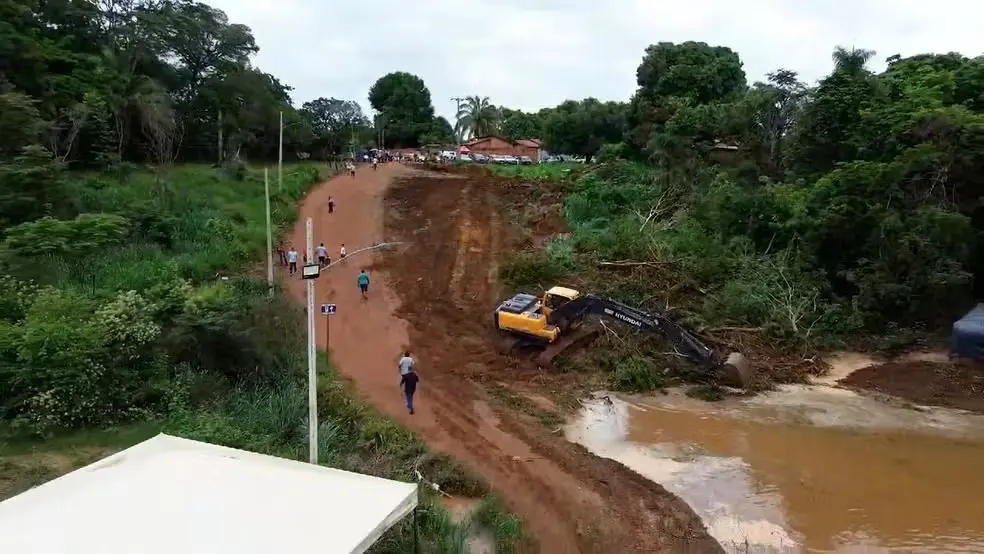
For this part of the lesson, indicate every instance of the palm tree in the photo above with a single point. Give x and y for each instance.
(851, 60)
(477, 117)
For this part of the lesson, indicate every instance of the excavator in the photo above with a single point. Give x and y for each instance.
(554, 323)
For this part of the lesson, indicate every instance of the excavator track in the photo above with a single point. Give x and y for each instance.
(579, 336)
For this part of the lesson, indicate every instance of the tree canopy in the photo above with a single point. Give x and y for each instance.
(853, 204)
(404, 102)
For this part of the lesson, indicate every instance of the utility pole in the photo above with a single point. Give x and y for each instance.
(269, 229)
(280, 157)
(312, 351)
(457, 109)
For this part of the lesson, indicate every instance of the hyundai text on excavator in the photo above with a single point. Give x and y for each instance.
(553, 323)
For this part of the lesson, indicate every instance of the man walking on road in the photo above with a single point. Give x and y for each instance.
(331, 205)
(292, 260)
(364, 283)
(408, 379)
(322, 255)
(406, 363)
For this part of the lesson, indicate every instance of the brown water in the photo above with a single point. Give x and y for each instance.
(805, 469)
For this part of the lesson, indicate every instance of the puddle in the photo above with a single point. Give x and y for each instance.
(805, 469)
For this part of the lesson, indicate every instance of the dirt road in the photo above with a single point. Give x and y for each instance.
(435, 295)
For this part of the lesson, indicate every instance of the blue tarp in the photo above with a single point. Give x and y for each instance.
(967, 340)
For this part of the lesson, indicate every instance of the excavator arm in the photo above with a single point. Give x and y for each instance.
(684, 342)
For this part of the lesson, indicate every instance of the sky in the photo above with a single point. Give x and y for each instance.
(531, 54)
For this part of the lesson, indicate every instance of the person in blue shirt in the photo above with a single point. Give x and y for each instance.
(364, 283)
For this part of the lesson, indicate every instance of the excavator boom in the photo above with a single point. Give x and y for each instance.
(731, 367)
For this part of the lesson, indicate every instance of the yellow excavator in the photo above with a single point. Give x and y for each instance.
(553, 323)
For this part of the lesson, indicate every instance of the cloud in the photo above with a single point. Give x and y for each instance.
(531, 54)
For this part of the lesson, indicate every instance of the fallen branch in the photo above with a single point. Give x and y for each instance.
(738, 329)
(629, 264)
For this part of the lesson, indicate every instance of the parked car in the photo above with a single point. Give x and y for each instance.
(480, 158)
(525, 160)
(464, 158)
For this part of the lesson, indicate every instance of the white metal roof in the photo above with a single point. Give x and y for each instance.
(172, 495)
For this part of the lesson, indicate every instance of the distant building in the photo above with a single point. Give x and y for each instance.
(505, 147)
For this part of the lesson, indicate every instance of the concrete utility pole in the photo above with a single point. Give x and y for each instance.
(312, 355)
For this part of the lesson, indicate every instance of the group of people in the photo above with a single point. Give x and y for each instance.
(288, 257)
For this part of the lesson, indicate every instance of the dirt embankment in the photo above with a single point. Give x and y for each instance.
(435, 295)
(458, 230)
(947, 384)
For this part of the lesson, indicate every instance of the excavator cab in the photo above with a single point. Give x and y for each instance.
(556, 297)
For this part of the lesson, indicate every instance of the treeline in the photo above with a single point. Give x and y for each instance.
(810, 211)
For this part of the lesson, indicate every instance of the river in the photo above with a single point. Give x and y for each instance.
(805, 468)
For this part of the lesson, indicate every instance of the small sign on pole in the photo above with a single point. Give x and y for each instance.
(328, 309)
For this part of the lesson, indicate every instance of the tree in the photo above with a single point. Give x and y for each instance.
(583, 127)
(516, 124)
(440, 132)
(827, 132)
(476, 117)
(405, 102)
(674, 75)
(334, 122)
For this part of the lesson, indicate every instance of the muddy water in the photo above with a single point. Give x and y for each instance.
(805, 469)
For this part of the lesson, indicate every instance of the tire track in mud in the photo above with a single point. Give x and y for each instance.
(571, 500)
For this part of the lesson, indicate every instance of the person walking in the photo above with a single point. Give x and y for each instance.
(322, 255)
(351, 169)
(292, 260)
(363, 283)
(331, 205)
(408, 379)
(406, 363)
(281, 253)
(342, 251)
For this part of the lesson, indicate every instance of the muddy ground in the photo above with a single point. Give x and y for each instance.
(951, 385)
(435, 295)
(459, 229)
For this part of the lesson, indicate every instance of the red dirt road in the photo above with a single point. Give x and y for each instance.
(434, 295)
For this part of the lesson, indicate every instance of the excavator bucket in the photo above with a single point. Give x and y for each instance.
(736, 371)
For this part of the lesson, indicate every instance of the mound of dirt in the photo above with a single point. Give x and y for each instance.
(951, 385)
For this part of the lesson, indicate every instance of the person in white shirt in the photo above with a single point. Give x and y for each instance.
(322, 255)
(342, 252)
(351, 169)
(292, 260)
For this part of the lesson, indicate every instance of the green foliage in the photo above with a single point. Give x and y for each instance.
(581, 128)
(98, 343)
(506, 528)
(404, 104)
(83, 235)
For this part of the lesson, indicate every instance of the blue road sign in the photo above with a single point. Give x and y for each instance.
(328, 309)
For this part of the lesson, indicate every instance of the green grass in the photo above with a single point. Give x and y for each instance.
(201, 222)
(535, 172)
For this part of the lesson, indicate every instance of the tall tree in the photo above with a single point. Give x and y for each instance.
(476, 117)
(334, 123)
(582, 127)
(675, 75)
(516, 124)
(405, 102)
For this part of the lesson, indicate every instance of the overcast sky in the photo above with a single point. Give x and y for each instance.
(530, 54)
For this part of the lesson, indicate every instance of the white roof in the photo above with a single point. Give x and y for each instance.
(172, 495)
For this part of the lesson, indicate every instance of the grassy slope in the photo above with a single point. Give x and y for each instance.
(221, 222)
